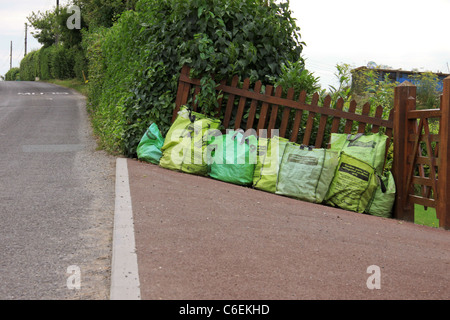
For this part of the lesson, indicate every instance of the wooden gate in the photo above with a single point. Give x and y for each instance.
(421, 155)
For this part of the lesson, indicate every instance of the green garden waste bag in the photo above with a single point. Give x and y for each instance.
(270, 152)
(383, 200)
(306, 173)
(149, 148)
(233, 157)
(353, 185)
(185, 145)
(368, 148)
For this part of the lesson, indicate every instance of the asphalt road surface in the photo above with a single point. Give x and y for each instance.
(56, 197)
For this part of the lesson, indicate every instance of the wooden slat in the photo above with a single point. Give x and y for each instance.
(423, 137)
(378, 115)
(181, 98)
(410, 172)
(422, 201)
(430, 154)
(230, 104)
(253, 105)
(274, 112)
(337, 120)
(423, 181)
(194, 98)
(240, 111)
(264, 109)
(298, 118)
(390, 129)
(365, 112)
(322, 123)
(423, 160)
(349, 122)
(310, 121)
(424, 113)
(286, 114)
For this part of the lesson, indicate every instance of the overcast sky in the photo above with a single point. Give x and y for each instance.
(402, 34)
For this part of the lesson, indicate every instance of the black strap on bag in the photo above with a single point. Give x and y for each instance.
(382, 185)
(357, 136)
(192, 117)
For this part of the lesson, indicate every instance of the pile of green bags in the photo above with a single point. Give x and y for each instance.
(349, 175)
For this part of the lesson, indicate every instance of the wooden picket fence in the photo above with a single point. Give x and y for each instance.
(267, 108)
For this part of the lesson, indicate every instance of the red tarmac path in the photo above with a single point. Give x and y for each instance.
(203, 239)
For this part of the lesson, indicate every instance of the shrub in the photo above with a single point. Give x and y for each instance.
(13, 74)
(144, 51)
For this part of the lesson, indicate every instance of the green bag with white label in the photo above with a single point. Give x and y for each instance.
(306, 173)
(369, 148)
(353, 184)
(270, 152)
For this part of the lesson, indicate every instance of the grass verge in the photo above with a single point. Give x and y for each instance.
(425, 217)
(75, 84)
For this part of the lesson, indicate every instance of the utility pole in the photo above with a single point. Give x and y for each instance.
(57, 12)
(10, 57)
(26, 33)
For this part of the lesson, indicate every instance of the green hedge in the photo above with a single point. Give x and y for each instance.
(54, 62)
(13, 74)
(134, 65)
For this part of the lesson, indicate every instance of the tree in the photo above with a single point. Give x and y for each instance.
(103, 13)
(427, 84)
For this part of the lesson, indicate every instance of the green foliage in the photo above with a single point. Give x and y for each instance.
(103, 13)
(294, 75)
(379, 92)
(12, 75)
(45, 25)
(142, 55)
(344, 90)
(29, 66)
(53, 62)
(427, 90)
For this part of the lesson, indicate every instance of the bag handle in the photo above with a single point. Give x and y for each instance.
(191, 116)
(310, 148)
(149, 134)
(383, 186)
(357, 136)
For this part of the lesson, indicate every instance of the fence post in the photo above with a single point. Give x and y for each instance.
(402, 148)
(443, 192)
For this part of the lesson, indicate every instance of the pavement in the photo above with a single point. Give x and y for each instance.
(184, 237)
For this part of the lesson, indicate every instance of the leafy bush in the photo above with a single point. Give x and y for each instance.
(144, 51)
(29, 66)
(54, 62)
(13, 74)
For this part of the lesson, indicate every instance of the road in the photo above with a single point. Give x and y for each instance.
(56, 197)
